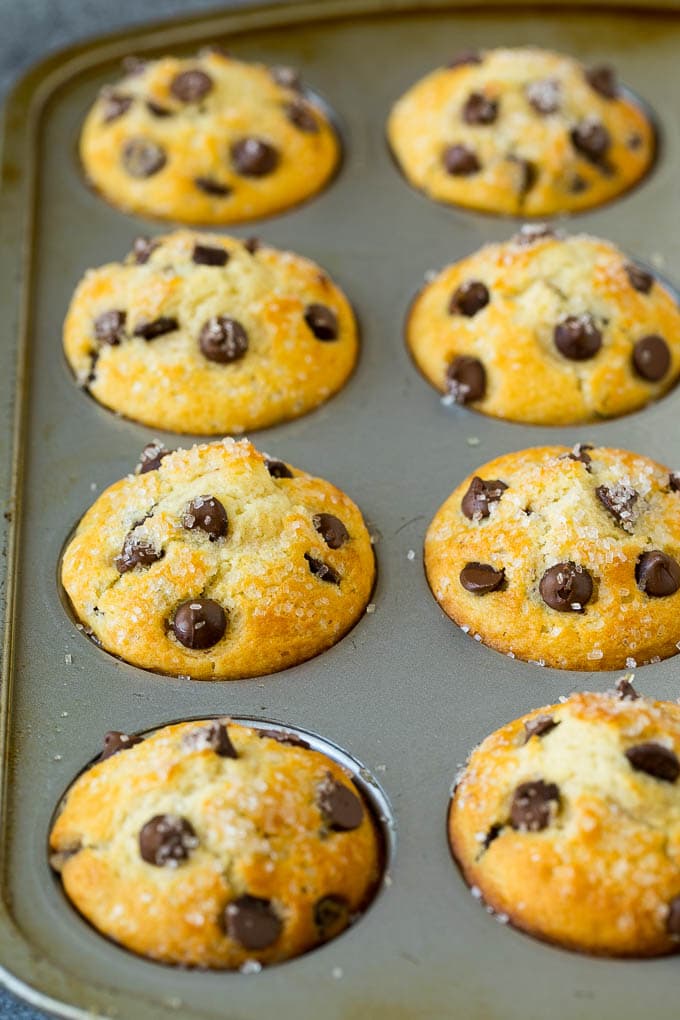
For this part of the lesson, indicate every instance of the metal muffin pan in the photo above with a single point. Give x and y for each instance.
(405, 692)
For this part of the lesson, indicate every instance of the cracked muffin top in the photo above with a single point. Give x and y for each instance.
(547, 329)
(566, 558)
(207, 139)
(566, 822)
(521, 131)
(218, 563)
(216, 845)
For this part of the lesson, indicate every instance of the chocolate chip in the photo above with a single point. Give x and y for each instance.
(460, 161)
(465, 57)
(199, 623)
(142, 249)
(301, 115)
(115, 105)
(136, 552)
(109, 327)
(492, 834)
(654, 759)
(156, 110)
(530, 233)
(331, 916)
(287, 77)
(566, 587)
(603, 80)
(673, 917)
(651, 357)
(204, 255)
(322, 321)
(466, 379)
(674, 481)
(639, 278)
(577, 337)
(252, 922)
(533, 806)
(619, 501)
(580, 453)
(527, 174)
(634, 142)
(469, 298)
(223, 340)
(252, 244)
(284, 737)
(191, 86)
(115, 741)
(150, 330)
(657, 574)
(577, 185)
(479, 109)
(332, 530)
(209, 186)
(625, 690)
(538, 726)
(340, 806)
(480, 494)
(166, 840)
(142, 157)
(151, 457)
(277, 469)
(324, 571)
(205, 513)
(544, 95)
(253, 157)
(213, 737)
(481, 578)
(591, 139)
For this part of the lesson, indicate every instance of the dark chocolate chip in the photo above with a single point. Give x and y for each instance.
(619, 501)
(253, 157)
(580, 453)
(577, 337)
(167, 840)
(150, 330)
(115, 741)
(109, 327)
(466, 379)
(301, 115)
(481, 578)
(277, 469)
(566, 587)
(191, 86)
(209, 186)
(673, 917)
(204, 255)
(136, 552)
(465, 57)
(527, 174)
(492, 834)
(479, 109)
(287, 77)
(205, 513)
(591, 139)
(577, 185)
(115, 105)
(603, 80)
(223, 339)
(480, 494)
(538, 726)
(331, 916)
(625, 690)
(674, 481)
(214, 737)
(322, 321)
(651, 357)
(324, 571)
(654, 759)
(544, 95)
(252, 922)
(460, 161)
(340, 806)
(284, 737)
(657, 574)
(252, 244)
(469, 298)
(634, 142)
(530, 233)
(199, 623)
(332, 530)
(156, 110)
(142, 249)
(533, 806)
(639, 278)
(142, 157)
(151, 457)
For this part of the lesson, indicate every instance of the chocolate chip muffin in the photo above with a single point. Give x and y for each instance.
(208, 334)
(548, 330)
(567, 558)
(521, 131)
(567, 823)
(208, 139)
(217, 845)
(218, 563)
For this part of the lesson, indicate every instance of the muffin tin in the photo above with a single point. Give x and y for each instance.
(405, 693)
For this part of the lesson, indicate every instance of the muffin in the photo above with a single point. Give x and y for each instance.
(567, 558)
(207, 139)
(216, 845)
(208, 334)
(218, 563)
(567, 823)
(521, 131)
(547, 330)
